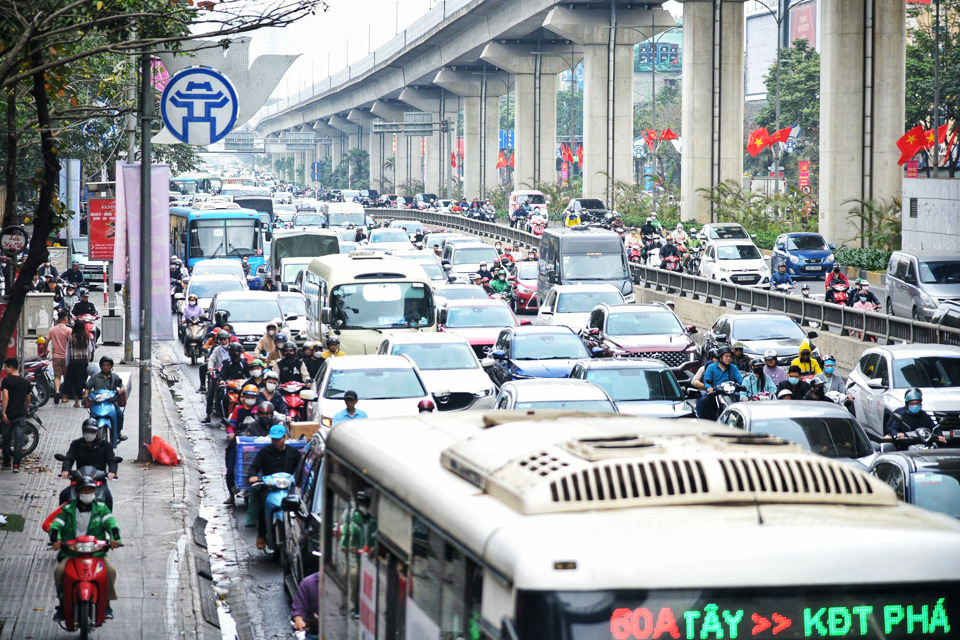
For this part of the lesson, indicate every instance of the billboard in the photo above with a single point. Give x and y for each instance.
(102, 227)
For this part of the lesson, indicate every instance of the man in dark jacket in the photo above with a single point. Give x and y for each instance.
(90, 451)
(74, 275)
(797, 387)
(84, 307)
(910, 417)
(275, 458)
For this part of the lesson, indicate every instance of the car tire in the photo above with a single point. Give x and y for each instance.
(915, 314)
(889, 307)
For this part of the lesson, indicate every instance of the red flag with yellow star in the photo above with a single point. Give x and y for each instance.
(928, 136)
(911, 142)
(759, 140)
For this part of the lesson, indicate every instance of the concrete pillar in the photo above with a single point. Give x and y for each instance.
(352, 130)
(365, 119)
(330, 136)
(535, 112)
(390, 111)
(607, 100)
(712, 150)
(481, 91)
(862, 84)
(437, 103)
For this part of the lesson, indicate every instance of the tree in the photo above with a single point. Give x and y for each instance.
(47, 51)
(668, 116)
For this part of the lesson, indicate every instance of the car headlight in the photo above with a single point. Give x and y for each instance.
(630, 298)
(830, 258)
(484, 393)
(723, 270)
(794, 259)
(928, 302)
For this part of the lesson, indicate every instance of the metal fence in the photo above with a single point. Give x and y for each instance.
(884, 328)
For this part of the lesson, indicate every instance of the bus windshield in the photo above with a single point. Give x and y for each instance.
(224, 238)
(187, 187)
(342, 219)
(595, 266)
(381, 305)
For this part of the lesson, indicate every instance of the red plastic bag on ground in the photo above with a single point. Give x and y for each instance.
(162, 452)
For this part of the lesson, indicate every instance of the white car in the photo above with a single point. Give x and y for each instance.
(388, 239)
(449, 367)
(427, 261)
(208, 285)
(459, 292)
(569, 305)
(736, 262)
(387, 386)
(294, 306)
(724, 231)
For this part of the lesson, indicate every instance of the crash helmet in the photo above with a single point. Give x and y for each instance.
(221, 316)
(913, 394)
(265, 409)
(724, 350)
(333, 340)
(289, 347)
(769, 353)
(250, 391)
(84, 292)
(713, 354)
(193, 298)
(426, 406)
(279, 339)
(817, 381)
(756, 363)
(270, 374)
(106, 359)
(256, 362)
(236, 347)
(86, 482)
(90, 424)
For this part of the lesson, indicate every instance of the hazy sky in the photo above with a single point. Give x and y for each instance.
(354, 26)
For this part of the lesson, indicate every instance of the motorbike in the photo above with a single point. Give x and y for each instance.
(193, 333)
(725, 394)
(297, 407)
(672, 263)
(783, 288)
(839, 293)
(105, 412)
(76, 475)
(88, 319)
(277, 485)
(920, 439)
(38, 374)
(84, 586)
(32, 431)
(231, 396)
(693, 260)
(763, 396)
(634, 254)
(537, 224)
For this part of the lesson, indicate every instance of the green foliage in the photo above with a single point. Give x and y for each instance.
(869, 259)
(880, 222)
(668, 117)
(767, 216)
(570, 113)
(508, 104)
(353, 172)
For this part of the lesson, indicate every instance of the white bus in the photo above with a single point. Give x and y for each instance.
(537, 527)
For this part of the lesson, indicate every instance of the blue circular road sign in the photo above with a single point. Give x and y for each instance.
(199, 106)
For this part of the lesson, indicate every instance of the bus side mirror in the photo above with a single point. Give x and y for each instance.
(268, 235)
(325, 315)
(183, 237)
(442, 316)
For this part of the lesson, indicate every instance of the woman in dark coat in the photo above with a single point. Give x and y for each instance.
(79, 352)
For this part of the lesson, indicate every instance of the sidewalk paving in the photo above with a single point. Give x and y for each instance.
(155, 506)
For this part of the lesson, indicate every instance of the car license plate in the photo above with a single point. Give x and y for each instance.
(743, 278)
(955, 433)
(812, 268)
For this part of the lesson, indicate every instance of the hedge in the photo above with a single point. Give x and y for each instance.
(869, 259)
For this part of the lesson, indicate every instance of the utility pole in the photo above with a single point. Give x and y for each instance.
(146, 272)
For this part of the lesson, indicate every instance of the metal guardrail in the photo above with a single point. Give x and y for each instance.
(885, 328)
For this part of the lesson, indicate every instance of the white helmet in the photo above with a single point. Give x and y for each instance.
(769, 353)
(679, 227)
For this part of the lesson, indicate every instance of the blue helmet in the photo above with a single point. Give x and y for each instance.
(913, 393)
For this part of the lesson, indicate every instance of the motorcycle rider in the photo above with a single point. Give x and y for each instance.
(245, 265)
(234, 368)
(679, 235)
(274, 356)
(720, 371)
(275, 458)
(817, 391)
(697, 382)
(244, 409)
(290, 367)
(269, 284)
(84, 307)
(633, 239)
(834, 277)
(805, 290)
(312, 359)
(572, 218)
(269, 393)
(70, 298)
(90, 451)
(667, 251)
(256, 374)
(863, 294)
(106, 379)
(484, 272)
(265, 417)
(489, 211)
(177, 270)
(797, 387)
(267, 344)
(656, 223)
(74, 275)
(192, 309)
(910, 417)
(770, 367)
(501, 284)
(47, 269)
(217, 347)
(507, 254)
(740, 359)
(84, 516)
(333, 347)
(781, 277)
(807, 364)
(647, 229)
(756, 381)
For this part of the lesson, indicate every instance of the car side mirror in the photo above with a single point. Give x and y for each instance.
(308, 395)
(445, 263)
(876, 383)
(552, 277)
(290, 504)
(178, 296)
(325, 315)
(268, 235)
(183, 237)
(486, 363)
(753, 236)
(720, 337)
(596, 352)
(887, 447)
(442, 316)
(693, 393)
(499, 354)
(832, 246)
(291, 316)
(812, 334)
(691, 328)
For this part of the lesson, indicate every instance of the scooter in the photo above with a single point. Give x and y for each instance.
(104, 411)
(31, 436)
(277, 486)
(297, 408)
(634, 254)
(839, 291)
(231, 396)
(537, 224)
(193, 332)
(693, 260)
(84, 586)
(672, 263)
(88, 319)
(38, 373)
(76, 476)
(783, 288)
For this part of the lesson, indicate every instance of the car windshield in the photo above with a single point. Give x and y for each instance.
(592, 203)
(595, 266)
(737, 252)
(433, 270)
(527, 271)
(375, 384)
(938, 491)
(259, 310)
(480, 316)
(389, 235)
(209, 288)
(475, 255)
(407, 226)
(830, 437)
(603, 406)
(534, 198)
(634, 384)
(222, 238)
(766, 328)
(462, 293)
(944, 272)
(427, 197)
(438, 357)
(585, 301)
(381, 305)
(729, 233)
(342, 219)
(548, 346)
(293, 305)
(292, 269)
(806, 243)
(309, 220)
(80, 245)
(233, 269)
(931, 371)
(643, 323)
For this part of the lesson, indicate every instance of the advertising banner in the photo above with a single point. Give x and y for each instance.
(368, 598)
(803, 23)
(804, 166)
(912, 167)
(102, 226)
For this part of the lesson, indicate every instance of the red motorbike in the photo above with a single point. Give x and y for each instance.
(634, 254)
(837, 293)
(88, 319)
(297, 406)
(84, 586)
(672, 263)
(231, 396)
(38, 374)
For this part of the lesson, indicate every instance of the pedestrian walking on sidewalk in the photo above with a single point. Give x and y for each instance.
(15, 390)
(79, 353)
(58, 338)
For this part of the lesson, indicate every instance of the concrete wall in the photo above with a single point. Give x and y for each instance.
(703, 315)
(936, 226)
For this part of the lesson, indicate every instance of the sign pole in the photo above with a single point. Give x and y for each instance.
(146, 256)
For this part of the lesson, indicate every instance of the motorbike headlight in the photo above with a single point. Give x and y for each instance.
(85, 547)
(794, 259)
(928, 302)
(281, 483)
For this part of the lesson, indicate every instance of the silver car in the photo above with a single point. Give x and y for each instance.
(544, 394)
(639, 386)
(918, 281)
(883, 375)
(823, 428)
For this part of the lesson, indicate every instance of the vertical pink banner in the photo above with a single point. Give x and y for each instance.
(158, 248)
(120, 242)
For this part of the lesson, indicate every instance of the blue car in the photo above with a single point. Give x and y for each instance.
(807, 255)
(521, 353)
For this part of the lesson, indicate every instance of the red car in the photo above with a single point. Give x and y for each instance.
(478, 321)
(525, 284)
(642, 331)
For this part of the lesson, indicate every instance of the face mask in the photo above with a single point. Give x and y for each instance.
(193, 303)
(914, 408)
(90, 437)
(265, 420)
(249, 401)
(829, 370)
(863, 298)
(793, 380)
(271, 333)
(271, 386)
(256, 372)
(87, 498)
